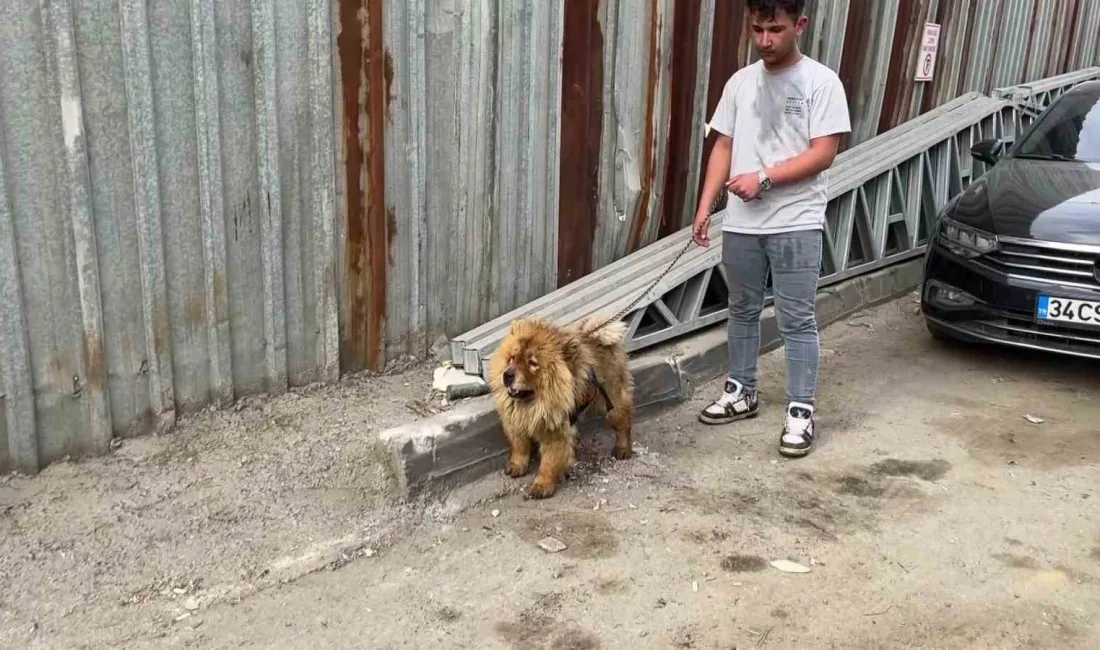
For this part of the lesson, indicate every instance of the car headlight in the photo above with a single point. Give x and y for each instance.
(966, 241)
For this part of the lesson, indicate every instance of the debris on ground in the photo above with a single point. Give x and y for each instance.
(456, 384)
(786, 566)
(552, 545)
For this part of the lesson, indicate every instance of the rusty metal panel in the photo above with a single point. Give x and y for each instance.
(582, 138)
(638, 44)
(863, 70)
(902, 92)
(167, 201)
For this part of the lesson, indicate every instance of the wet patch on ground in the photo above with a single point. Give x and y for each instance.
(538, 627)
(997, 435)
(744, 563)
(859, 487)
(928, 470)
(1016, 561)
(586, 535)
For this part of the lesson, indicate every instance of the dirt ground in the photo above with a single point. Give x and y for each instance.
(933, 514)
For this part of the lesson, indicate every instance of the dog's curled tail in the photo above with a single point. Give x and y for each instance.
(610, 335)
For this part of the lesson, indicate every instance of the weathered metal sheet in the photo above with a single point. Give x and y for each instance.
(582, 118)
(1086, 39)
(683, 75)
(902, 96)
(166, 213)
(871, 56)
(638, 37)
(471, 139)
(824, 40)
(528, 165)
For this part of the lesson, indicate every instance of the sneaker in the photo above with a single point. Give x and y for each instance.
(734, 404)
(798, 430)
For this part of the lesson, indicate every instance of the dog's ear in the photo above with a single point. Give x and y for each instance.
(570, 348)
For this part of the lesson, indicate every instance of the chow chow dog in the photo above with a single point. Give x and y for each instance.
(542, 377)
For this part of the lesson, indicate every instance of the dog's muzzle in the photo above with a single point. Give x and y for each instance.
(521, 393)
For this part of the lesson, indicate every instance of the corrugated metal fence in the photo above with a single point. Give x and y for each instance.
(167, 211)
(200, 199)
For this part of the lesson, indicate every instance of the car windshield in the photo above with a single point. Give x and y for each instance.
(1070, 130)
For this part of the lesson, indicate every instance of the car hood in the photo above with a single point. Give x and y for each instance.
(1036, 199)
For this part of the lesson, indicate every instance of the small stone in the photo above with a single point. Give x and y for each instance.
(495, 513)
(552, 545)
(191, 604)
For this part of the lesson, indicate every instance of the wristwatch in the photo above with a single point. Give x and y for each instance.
(765, 182)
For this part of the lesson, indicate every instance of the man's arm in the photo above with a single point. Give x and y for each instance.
(817, 158)
(814, 160)
(718, 171)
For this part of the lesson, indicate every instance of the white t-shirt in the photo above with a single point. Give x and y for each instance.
(772, 116)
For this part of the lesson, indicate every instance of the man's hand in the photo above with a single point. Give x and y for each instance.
(700, 229)
(745, 186)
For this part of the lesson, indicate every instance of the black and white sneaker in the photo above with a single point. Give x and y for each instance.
(798, 430)
(735, 404)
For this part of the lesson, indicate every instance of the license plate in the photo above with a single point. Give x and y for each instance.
(1068, 310)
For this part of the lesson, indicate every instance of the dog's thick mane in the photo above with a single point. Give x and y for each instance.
(566, 384)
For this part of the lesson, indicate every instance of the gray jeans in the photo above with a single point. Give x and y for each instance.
(795, 262)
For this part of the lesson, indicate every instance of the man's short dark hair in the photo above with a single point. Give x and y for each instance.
(767, 9)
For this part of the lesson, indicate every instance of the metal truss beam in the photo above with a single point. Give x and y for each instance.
(884, 198)
(1032, 99)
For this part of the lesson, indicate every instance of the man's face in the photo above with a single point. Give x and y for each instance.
(775, 37)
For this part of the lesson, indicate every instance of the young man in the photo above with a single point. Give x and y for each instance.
(778, 126)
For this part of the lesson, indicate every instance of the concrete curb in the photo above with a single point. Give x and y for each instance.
(436, 454)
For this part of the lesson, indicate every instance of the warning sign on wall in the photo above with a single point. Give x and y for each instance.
(926, 60)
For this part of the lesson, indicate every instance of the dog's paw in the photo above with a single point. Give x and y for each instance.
(622, 453)
(516, 469)
(541, 490)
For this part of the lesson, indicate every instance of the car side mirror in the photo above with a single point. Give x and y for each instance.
(987, 151)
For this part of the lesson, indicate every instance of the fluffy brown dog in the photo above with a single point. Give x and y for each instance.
(543, 376)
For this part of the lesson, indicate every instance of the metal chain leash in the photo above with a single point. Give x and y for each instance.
(687, 246)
